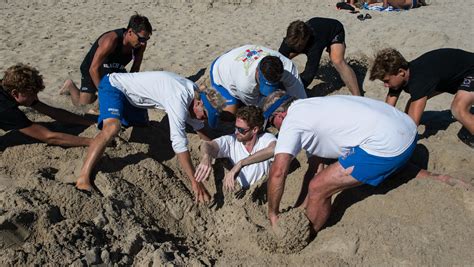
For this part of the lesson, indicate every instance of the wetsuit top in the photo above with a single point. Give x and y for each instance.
(115, 62)
(11, 117)
(324, 33)
(440, 70)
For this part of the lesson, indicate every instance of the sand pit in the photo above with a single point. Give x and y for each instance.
(143, 213)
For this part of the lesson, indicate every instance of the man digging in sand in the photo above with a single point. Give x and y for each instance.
(248, 148)
(311, 38)
(439, 71)
(110, 53)
(370, 140)
(244, 75)
(123, 100)
(20, 87)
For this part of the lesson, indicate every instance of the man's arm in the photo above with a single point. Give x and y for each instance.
(203, 134)
(107, 45)
(415, 109)
(259, 156)
(137, 59)
(54, 138)
(391, 99)
(276, 184)
(61, 115)
(209, 151)
(200, 191)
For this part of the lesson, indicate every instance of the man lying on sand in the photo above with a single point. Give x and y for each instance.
(110, 53)
(245, 74)
(248, 149)
(311, 38)
(123, 100)
(399, 4)
(435, 72)
(370, 140)
(20, 87)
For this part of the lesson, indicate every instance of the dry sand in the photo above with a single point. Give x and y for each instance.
(145, 214)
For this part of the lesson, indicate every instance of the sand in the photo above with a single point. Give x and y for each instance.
(144, 213)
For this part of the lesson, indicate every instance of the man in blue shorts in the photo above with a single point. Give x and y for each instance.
(123, 100)
(370, 140)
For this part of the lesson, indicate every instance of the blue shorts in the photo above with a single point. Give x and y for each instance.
(370, 169)
(230, 100)
(114, 104)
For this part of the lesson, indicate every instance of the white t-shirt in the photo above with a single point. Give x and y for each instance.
(162, 90)
(235, 71)
(329, 126)
(230, 147)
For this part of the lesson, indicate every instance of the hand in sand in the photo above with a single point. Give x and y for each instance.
(200, 193)
(203, 169)
(229, 178)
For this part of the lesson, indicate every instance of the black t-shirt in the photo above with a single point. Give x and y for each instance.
(324, 31)
(11, 117)
(115, 61)
(440, 70)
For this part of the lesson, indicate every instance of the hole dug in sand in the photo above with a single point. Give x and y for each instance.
(292, 234)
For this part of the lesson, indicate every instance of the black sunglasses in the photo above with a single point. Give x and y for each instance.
(141, 39)
(242, 130)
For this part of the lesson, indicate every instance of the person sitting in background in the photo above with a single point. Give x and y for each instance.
(20, 87)
(248, 149)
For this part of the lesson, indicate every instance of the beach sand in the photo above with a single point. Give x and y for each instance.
(144, 213)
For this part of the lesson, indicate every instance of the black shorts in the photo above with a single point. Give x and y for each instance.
(87, 85)
(467, 84)
(339, 38)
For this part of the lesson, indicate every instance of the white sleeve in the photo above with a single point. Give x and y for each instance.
(224, 143)
(289, 140)
(177, 115)
(292, 82)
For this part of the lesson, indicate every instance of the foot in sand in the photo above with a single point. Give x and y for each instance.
(83, 184)
(65, 89)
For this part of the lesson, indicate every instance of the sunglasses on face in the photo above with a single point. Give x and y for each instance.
(242, 130)
(141, 39)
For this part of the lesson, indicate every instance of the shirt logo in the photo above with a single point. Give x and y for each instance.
(249, 56)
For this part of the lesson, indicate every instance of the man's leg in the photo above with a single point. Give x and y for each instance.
(326, 183)
(84, 96)
(345, 71)
(110, 129)
(461, 109)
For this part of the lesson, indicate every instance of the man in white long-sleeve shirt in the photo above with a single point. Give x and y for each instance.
(124, 99)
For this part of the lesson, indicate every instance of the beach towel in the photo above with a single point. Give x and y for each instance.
(380, 8)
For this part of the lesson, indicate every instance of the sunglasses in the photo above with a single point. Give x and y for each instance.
(242, 130)
(141, 39)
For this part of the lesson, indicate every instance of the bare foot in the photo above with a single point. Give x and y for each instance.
(93, 111)
(83, 184)
(453, 181)
(65, 89)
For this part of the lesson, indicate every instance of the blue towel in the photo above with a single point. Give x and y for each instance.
(379, 8)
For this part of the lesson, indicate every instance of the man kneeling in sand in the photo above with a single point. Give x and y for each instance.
(370, 140)
(123, 100)
(439, 71)
(249, 150)
(20, 87)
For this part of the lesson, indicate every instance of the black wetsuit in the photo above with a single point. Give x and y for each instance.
(325, 32)
(115, 62)
(442, 70)
(11, 117)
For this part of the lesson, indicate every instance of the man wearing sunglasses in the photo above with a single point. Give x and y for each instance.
(123, 101)
(248, 149)
(110, 53)
(369, 140)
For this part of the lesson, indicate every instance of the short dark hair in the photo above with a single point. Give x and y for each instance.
(252, 115)
(139, 23)
(387, 62)
(272, 68)
(23, 78)
(297, 35)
